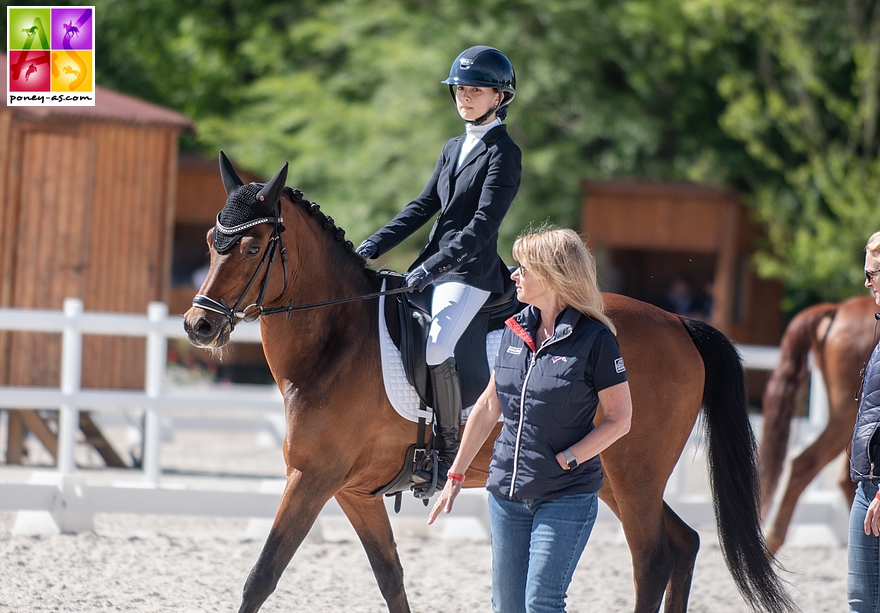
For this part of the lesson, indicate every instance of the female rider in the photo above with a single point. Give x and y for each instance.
(472, 187)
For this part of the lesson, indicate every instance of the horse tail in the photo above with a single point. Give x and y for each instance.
(781, 393)
(733, 473)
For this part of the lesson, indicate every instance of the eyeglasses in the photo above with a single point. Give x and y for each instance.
(869, 275)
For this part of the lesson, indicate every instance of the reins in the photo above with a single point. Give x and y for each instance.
(291, 307)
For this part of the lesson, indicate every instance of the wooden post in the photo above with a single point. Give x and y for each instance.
(724, 284)
(36, 424)
(14, 438)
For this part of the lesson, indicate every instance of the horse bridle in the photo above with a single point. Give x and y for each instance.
(234, 314)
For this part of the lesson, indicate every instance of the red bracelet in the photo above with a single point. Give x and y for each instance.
(877, 495)
(455, 477)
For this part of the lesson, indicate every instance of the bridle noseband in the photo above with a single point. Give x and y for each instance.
(235, 314)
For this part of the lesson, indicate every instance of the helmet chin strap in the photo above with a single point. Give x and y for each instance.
(479, 120)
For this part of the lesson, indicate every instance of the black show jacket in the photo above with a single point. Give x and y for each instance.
(472, 200)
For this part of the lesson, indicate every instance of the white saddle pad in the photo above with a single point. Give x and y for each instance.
(402, 395)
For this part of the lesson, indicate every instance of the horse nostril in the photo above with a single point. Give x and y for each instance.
(203, 327)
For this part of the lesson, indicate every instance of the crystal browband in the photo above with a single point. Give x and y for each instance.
(245, 226)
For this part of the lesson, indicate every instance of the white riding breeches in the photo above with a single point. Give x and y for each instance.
(453, 307)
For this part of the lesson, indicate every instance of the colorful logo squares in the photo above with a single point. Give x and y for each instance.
(50, 55)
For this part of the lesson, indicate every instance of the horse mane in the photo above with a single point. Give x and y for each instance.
(337, 234)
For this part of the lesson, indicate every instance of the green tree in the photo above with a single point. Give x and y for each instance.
(357, 108)
(777, 99)
(806, 108)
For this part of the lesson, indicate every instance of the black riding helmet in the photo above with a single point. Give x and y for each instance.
(484, 66)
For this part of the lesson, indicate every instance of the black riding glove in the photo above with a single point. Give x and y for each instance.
(419, 279)
(367, 249)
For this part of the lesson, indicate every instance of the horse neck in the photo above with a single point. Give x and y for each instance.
(322, 270)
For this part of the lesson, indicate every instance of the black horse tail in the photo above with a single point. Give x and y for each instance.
(780, 395)
(733, 474)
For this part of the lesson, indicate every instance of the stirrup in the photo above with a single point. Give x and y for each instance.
(422, 488)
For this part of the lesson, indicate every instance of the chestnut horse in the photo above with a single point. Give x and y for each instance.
(840, 337)
(345, 440)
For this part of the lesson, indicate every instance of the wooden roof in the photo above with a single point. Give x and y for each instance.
(109, 106)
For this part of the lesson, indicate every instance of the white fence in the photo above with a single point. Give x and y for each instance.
(64, 500)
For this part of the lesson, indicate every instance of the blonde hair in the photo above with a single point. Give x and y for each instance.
(561, 262)
(873, 245)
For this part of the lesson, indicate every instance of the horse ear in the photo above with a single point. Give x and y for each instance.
(269, 196)
(231, 182)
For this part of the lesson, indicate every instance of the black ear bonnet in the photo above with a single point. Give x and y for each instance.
(246, 205)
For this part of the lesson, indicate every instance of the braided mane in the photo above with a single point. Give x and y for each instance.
(326, 222)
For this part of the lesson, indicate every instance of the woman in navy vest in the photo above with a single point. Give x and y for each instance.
(474, 182)
(558, 359)
(863, 549)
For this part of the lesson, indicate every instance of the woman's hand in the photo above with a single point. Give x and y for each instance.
(447, 497)
(479, 425)
(872, 518)
(563, 463)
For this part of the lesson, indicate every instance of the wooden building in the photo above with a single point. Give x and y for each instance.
(87, 211)
(652, 239)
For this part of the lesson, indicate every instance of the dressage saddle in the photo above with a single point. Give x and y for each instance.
(408, 317)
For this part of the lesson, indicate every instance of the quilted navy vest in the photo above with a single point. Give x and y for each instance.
(864, 446)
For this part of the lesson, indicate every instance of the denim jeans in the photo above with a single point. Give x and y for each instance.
(863, 556)
(536, 545)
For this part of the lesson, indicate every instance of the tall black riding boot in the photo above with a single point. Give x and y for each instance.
(447, 417)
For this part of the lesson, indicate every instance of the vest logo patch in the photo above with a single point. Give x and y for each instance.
(514, 350)
(557, 358)
(618, 365)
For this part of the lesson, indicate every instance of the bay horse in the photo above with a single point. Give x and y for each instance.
(840, 337)
(344, 439)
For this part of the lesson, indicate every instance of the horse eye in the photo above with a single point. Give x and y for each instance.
(253, 250)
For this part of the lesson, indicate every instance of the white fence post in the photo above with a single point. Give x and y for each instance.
(71, 380)
(157, 354)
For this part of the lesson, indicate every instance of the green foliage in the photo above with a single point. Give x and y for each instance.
(775, 98)
(807, 110)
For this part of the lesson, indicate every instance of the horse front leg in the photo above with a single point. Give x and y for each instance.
(369, 518)
(299, 508)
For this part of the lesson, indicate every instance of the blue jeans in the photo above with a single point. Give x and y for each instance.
(863, 556)
(536, 545)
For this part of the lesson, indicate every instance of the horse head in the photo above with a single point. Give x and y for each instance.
(243, 244)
